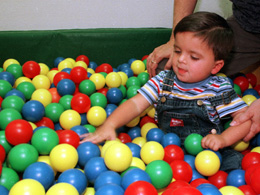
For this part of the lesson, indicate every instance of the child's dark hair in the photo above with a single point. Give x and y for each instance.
(212, 28)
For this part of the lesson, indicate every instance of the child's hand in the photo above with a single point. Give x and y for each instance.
(213, 142)
(100, 135)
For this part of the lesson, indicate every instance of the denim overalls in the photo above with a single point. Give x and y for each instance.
(184, 117)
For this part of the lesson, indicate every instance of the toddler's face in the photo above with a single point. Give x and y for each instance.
(193, 60)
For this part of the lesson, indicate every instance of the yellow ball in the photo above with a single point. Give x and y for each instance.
(46, 159)
(118, 157)
(207, 163)
(98, 79)
(43, 96)
(133, 122)
(63, 157)
(140, 141)
(107, 144)
(151, 151)
(146, 128)
(240, 146)
(89, 191)
(62, 189)
(41, 82)
(113, 79)
(27, 187)
(151, 111)
(90, 70)
(20, 80)
(138, 66)
(124, 78)
(137, 162)
(44, 69)
(249, 99)
(65, 64)
(230, 190)
(96, 116)
(81, 64)
(256, 149)
(69, 118)
(8, 62)
(33, 125)
(221, 74)
(51, 74)
(71, 60)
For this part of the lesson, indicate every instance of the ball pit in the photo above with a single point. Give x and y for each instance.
(60, 104)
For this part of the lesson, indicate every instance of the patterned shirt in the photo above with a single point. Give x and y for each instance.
(212, 86)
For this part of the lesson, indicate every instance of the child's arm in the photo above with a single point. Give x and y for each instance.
(228, 137)
(119, 117)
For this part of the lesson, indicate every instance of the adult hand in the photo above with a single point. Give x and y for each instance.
(253, 114)
(159, 53)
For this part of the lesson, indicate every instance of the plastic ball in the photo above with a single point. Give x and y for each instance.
(8, 115)
(62, 189)
(15, 70)
(27, 186)
(141, 187)
(242, 82)
(110, 108)
(114, 95)
(31, 69)
(53, 111)
(41, 172)
(137, 162)
(18, 131)
(192, 143)
(118, 157)
(44, 69)
(57, 61)
(236, 178)
(208, 189)
(143, 78)
(96, 115)
(230, 190)
(43, 96)
(78, 74)
(4, 143)
(110, 189)
(7, 76)
(8, 178)
(98, 99)
(33, 111)
(170, 139)
(105, 67)
(21, 156)
(173, 152)
(98, 79)
(5, 87)
(124, 77)
(187, 190)
(249, 99)
(151, 151)
(27, 88)
(240, 146)
(107, 177)
(138, 67)
(154, 134)
(69, 118)
(66, 87)
(21, 80)
(113, 79)
(63, 157)
(207, 163)
(139, 141)
(60, 76)
(3, 190)
(87, 87)
(218, 179)
(13, 101)
(65, 64)
(9, 62)
(247, 190)
(41, 82)
(2, 154)
(83, 58)
(80, 103)
(65, 101)
(160, 173)
(74, 177)
(181, 170)
(69, 137)
(146, 128)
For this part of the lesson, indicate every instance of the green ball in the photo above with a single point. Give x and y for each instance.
(21, 156)
(53, 111)
(87, 87)
(145, 63)
(1, 69)
(237, 89)
(5, 87)
(15, 70)
(4, 142)
(192, 144)
(104, 74)
(123, 90)
(13, 101)
(7, 115)
(65, 101)
(90, 128)
(132, 91)
(133, 81)
(44, 140)
(8, 178)
(98, 99)
(143, 77)
(27, 89)
(160, 173)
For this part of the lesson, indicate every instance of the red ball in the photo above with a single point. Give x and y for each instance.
(249, 159)
(181, 170)
(146, 119)
(1, 99)
(103, 91)
(186, 191)
(55, 95)
(247, 190)
(104, 68)
(251, 78)
(249, 171)
(218, 179)
(69, 137)
(257, 88)
(173, 152)
(45, 122)
(78, 74)
(83, 58)
(31, 69)
(124, 138)
(2, 154)
(144, 57)
(80, 103)
(242, 82)
(178, 184)
(255, 180)
(140, 188)
(59, 76)
(196, 182)
(18, 131)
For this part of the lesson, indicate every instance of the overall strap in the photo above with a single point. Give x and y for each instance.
(168, 81)
(224, 98)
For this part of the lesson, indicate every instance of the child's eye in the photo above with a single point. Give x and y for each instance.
(177, 51)
(194, 58)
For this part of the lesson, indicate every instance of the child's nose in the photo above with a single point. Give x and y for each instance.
(181, 58)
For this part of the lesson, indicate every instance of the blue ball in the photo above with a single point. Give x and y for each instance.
(86, 151)
(236, 178)
(133, 175)
(57, 61)
(92, 65)
(250, 92)
(84, 120)
(107, 177)
(110, 108)
(190, 159)
(16, 93)
(114, 95)
(129, 72)
(79, 129)
(155, 134)
(134, 132)
(66, 87)
(33, 111)
(170, 138)
(123, 66)
(3, 190)
(135, 149)
(67, 70)
(41, 172)
(57, 126)
(94, 167)
(75, 177)
(110, 189)
(196, 175)
(7, 76)
(131, 60)
(208, 189)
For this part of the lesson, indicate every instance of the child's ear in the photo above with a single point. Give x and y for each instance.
(218, 65)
